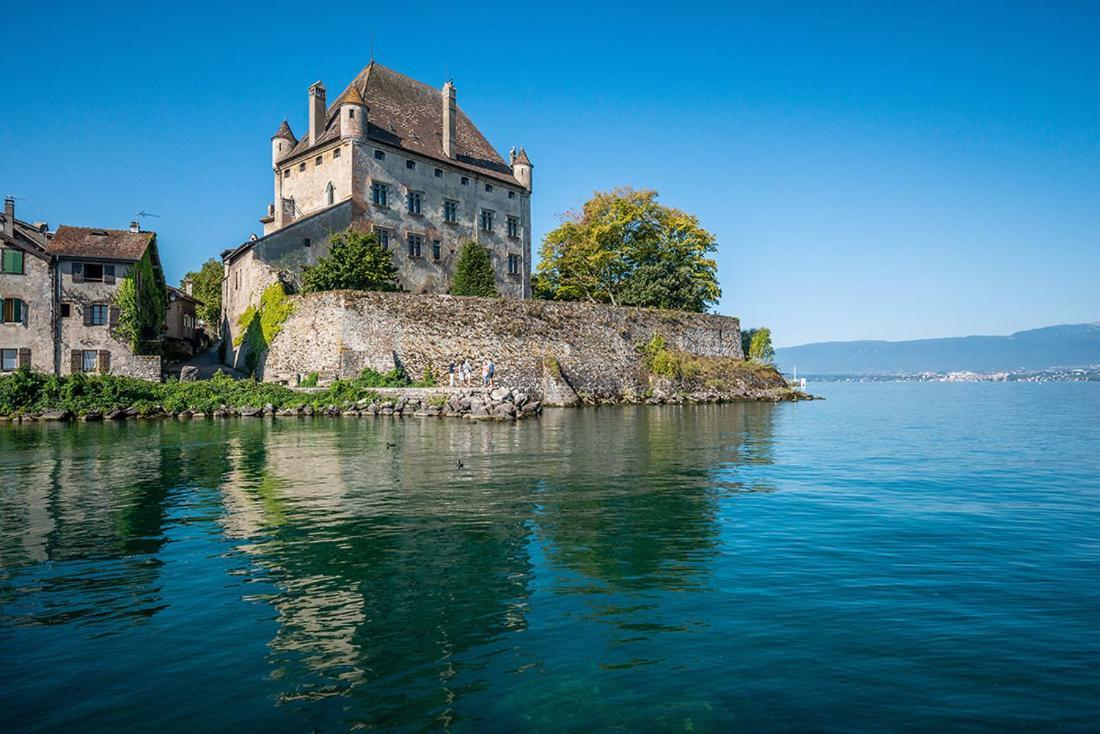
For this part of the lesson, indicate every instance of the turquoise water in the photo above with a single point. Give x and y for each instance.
(899, 557)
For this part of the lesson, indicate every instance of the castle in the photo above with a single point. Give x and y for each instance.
(399, 158)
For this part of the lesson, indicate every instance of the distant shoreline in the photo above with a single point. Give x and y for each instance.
(1068, 374)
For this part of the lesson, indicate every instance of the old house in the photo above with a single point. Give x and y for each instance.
(90, 265)
(26, 317)
(181, 331)
(400, 158)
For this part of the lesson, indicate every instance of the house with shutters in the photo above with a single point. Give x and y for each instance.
(59, 293)
(89, 265)
(26, 278)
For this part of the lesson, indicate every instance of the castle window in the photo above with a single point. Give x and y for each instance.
(437, 249)
(511, 194)
(439, 173)
(286, 173)
(9, 359)
(305, 242)
(66, 310)
(513, 227)
(301, 166)
(318, 160)
(450, 211)
(415, 243)
(379, 194)
(13, 262)
(383, 236)
(411, 165)
(98, 316)
(513, 264)
(92, 271)
(379, 155)
(489, 188)
(486, 220)
(330, 193)
(336, 153)
(351, 113)
(413, 202)
(465, 181)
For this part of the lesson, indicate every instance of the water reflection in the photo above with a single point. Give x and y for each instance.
(400, 558)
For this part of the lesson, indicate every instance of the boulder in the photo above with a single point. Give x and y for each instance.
(56, 415)
(189, 373)
(500, 394)
(92, 416)
(185, 414)
(556, 389)
(532, 407)
(520, 398)
(249, 411)
(269, 409)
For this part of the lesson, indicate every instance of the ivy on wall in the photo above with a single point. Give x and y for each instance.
(259, 325)
(140, 298)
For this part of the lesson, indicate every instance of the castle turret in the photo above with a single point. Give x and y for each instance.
(317, 112)
(521, 169)
(353, 115)
(450, 119)
(282, 142)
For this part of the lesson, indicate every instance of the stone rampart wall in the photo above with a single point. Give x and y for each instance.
(596, 348)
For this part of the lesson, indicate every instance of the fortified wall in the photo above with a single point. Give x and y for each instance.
(536, 345)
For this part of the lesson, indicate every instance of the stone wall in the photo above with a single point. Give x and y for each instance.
(595, 348)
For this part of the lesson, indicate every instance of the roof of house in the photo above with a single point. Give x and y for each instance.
(109, 244)
(180, 293)
(26, 236)
(409, 114)
(285, 132)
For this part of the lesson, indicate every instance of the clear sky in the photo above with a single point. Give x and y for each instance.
(871, 170)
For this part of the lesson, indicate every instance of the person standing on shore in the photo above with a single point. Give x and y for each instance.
(492, 370)
(485, 373)
(451, 372)
(467, 371)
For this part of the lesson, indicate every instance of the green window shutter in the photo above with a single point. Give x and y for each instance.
(17, 310)
(86, 309)
(104, 362)
(25, 357)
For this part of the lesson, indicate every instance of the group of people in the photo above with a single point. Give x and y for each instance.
(462, 374)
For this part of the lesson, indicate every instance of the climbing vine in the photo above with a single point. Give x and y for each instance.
(259, 325)
(140, 301)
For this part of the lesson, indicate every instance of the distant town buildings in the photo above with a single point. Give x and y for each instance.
(59, 291)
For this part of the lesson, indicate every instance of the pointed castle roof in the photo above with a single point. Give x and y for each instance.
(284, 132)
(408, 114)
(521, 157)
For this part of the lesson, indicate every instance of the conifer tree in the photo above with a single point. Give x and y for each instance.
(474, 272)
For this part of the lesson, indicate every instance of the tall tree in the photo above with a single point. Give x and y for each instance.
(206, 285)
(623, 247)
(756, 344)
(474, 272)
(356, 261)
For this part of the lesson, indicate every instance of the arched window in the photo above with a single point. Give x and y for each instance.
(330, 194)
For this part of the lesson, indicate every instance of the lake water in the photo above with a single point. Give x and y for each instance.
(899, 557)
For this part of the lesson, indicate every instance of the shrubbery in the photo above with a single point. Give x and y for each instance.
(26, 392)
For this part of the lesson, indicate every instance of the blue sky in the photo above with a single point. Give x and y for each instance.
(916, 170)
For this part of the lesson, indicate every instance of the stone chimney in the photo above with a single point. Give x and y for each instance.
(317, 109)
(134, 227)
(9, 216)
(188, 286)
(450, 119)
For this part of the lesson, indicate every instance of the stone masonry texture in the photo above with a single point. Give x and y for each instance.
(596, 348)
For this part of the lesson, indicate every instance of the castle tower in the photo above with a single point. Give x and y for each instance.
(317, 112)
(353, 115)
(450, 119)
(282, 142)
(521, 169)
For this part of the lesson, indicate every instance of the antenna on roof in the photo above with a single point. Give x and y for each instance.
(372, 47)
(144, 213)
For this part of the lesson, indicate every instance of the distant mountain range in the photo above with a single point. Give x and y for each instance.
(1069, 345)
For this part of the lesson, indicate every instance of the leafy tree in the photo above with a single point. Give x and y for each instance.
(356, 261)
(474, 272)
(625, 248)
(206, 285)
(757, 345)
(141, 301)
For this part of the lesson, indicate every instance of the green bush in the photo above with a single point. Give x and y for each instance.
(309, 380)
(474, 272)
(27, 392)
